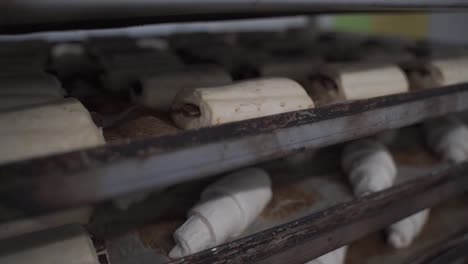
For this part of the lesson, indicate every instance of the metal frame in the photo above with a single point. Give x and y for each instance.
(21, 16)
(312, 236)
(447, 251)
(87, 176)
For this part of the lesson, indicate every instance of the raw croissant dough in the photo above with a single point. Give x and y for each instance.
(240, 101)
(337, 256)
(225, 210)
(448, 137)
(371, 168)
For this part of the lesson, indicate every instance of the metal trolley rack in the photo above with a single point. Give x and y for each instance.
(91, 176)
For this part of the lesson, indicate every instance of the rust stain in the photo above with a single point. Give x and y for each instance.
(371, 246)
(142, 127)
(288, 200)
(159, 236)
(415, 156)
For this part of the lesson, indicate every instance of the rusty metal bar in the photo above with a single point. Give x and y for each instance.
(45, 184)
(310, 237)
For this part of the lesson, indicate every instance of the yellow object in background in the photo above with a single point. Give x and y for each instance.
(414, 25)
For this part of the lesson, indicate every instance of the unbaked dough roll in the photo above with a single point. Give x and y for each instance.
(158, 92)
(369, 165)
(39, 84)
(201, 107)
(402, 233)
(226, 209)
(361, 82)
(28, 225)
(11, 102)
(422, 75)
(448, 137)
(67, 244)
(337, 256)
(453, 70)
(371, 168)
(47, 129)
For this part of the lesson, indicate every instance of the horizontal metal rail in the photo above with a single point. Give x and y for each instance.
(87, 176)
(448, 251)
(20, 16)
(312, 236)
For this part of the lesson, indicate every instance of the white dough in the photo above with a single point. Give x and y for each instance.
(28, 225)
(158, 92)
(337, 256)
(453, 70)
(240, 101)
(371, 81)
(67, 244)
(448, 137)
(370, 167)
(11, 102)
(225, 210)
(402, 233)
(39, 84)
(47, 129)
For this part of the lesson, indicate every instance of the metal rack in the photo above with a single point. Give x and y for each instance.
(43, 185)
(57, 14)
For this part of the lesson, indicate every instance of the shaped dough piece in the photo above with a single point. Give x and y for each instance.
(453, 70)
(158, 92)
(39, 84)
(240, 101)
(226, 209)
(422, 75)
(47, 129)
(11, 102)
(337, 256)
(67, 244)
(402, 233)
(361, 82)
(369, 166)
(448, 137)
(29, 225)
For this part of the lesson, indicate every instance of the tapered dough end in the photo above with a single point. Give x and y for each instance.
(404, 232)
(448, 137)
(337, 256)
(176, 252)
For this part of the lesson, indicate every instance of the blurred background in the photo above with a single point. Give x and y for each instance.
(441, 27)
